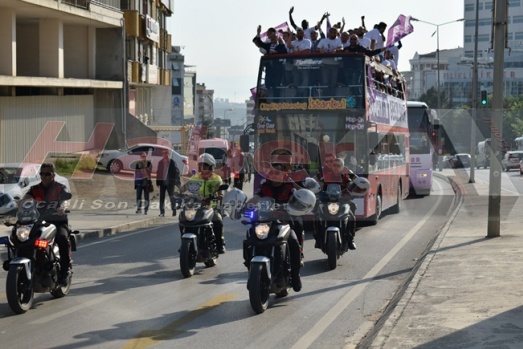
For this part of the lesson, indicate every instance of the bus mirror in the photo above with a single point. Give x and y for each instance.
(373, 140)
(244, 143)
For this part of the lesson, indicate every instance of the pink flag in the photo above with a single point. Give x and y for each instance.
(283, 27)
(401, 28)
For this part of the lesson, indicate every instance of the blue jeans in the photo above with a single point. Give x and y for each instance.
(139, 190)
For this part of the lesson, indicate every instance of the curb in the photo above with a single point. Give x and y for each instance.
(121, 228)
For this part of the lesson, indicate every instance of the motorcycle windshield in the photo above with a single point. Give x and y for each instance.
(333, 191)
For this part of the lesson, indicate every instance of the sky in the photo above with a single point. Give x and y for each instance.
(216, 35)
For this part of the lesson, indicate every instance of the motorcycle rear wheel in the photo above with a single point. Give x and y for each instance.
(332, 250)
(62, 291)
(187, 258)
(19, 290)
(258, 289)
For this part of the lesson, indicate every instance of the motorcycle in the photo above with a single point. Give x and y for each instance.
(335, 220)
(266, 249)
(33, 259)
(198, 239)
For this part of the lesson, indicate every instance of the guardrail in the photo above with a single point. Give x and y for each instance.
(110, 4)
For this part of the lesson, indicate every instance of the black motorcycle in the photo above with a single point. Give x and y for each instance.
(198, 238)
(267, 254)
(336, 221)
(33, 259)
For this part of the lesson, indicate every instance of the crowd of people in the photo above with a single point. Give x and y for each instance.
(307, 39)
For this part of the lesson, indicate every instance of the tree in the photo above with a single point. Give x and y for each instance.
(431, 98)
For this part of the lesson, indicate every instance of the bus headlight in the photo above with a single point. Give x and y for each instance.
(333, 208)
(22, 232)
(262, 230)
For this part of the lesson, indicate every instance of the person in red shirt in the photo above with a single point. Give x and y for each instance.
(50, 197)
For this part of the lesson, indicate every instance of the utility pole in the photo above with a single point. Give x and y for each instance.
(474, 101)
(496, 122)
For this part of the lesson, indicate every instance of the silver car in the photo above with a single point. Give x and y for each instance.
(126, 160)
(511, 160)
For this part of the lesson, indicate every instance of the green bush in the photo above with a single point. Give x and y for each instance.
(66, 167)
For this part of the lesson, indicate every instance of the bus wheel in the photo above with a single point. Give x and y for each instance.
(376, 217)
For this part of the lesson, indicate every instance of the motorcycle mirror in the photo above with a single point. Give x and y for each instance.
(223, 187)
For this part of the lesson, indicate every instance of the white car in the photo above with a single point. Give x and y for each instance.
(7, 203)
(17, 179)
(118, 160)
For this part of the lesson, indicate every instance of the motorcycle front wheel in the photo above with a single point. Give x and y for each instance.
(19, 289)
(258, 289)
(187, 258)
(332, 250)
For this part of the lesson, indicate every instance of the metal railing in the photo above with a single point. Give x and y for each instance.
(110, 4)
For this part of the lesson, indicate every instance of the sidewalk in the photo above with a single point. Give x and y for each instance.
(468, 292)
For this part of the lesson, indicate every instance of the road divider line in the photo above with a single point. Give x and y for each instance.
(148, 338)
(322, 324)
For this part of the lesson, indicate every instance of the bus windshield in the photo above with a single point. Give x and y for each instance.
(419, 128)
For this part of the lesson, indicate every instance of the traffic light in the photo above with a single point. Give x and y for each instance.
(483, 97)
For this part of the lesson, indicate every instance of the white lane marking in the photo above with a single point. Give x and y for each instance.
(320, 326)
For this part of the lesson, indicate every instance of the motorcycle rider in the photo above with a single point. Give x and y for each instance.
(206, 183)
(277, 187)
(50, 197)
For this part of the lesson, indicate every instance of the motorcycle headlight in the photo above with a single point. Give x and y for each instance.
(262, 230)
(333, 207)
(190, 213)
(22, 232)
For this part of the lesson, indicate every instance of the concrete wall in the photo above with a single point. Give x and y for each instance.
(76, 57)
(23, 118)
(27, 53)
(109, 64)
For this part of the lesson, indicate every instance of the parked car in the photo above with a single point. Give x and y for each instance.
(521, 167)
(118, 160)
(446, 161)
(460, 160)
(17, 179)
(511, 160)
(7, 204)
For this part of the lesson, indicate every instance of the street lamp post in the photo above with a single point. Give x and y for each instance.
(437, 47)
(225, 115)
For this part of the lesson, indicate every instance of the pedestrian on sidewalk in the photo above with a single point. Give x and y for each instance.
(142, 176)
(245, 170)
(167, 177)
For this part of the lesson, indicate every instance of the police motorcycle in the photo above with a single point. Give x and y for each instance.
(198, 239)
(266, 249)
(336, 218)
(33, 258)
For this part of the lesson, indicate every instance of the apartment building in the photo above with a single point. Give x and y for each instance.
(68, 66)
(455, 65)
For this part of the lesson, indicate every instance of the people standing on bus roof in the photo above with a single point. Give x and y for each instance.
(273, 45)
(345, 39)
(331, 43)
(305, 24)
(377, 40)
(301, 44)
(314, 40)
(362, 40)
(394, 49)
(355, 47)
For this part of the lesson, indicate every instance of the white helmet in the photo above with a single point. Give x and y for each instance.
(233, 201)
(312, 185)
(359, 187)
(302, 202)
(208, 159)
